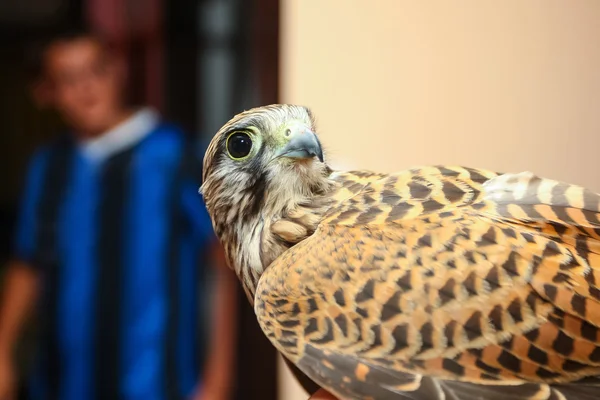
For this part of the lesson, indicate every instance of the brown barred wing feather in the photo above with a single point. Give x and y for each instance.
(444, 283)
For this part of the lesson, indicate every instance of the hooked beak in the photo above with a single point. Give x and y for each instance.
(303, 145)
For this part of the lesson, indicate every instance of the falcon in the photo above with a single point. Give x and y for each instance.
(437, 282)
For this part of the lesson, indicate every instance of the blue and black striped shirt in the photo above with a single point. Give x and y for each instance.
(117, 242)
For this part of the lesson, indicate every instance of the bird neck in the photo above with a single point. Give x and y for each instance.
(277, 229)
(286, 218)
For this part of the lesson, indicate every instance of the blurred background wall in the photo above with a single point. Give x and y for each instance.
(506, 85)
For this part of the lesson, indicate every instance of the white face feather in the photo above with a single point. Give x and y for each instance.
(245, 196)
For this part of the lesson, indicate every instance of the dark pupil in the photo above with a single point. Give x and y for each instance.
(239, 145)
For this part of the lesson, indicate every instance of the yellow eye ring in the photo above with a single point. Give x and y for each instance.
(239, 145)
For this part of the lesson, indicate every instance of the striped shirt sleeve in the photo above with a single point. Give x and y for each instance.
(25, 234)
(196, 212)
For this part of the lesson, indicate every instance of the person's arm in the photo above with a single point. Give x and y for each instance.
(18, 297)
(20, 291)
(20, 281)
(220, 365)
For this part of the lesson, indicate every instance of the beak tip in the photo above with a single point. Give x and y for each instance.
(320, 156)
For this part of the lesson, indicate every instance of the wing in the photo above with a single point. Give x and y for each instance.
(445, 283)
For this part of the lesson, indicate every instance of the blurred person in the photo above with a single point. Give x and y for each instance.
(108, 243)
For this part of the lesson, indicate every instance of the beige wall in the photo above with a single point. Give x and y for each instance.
(507, 85)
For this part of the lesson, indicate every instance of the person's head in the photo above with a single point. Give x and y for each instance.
(82, 80)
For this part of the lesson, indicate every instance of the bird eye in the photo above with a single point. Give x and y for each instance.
(239, 145)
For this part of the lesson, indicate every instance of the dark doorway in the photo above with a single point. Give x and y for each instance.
(238, 61)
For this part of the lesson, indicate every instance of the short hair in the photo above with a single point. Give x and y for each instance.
(35, 53)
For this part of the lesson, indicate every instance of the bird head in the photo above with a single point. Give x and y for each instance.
(260, 163)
